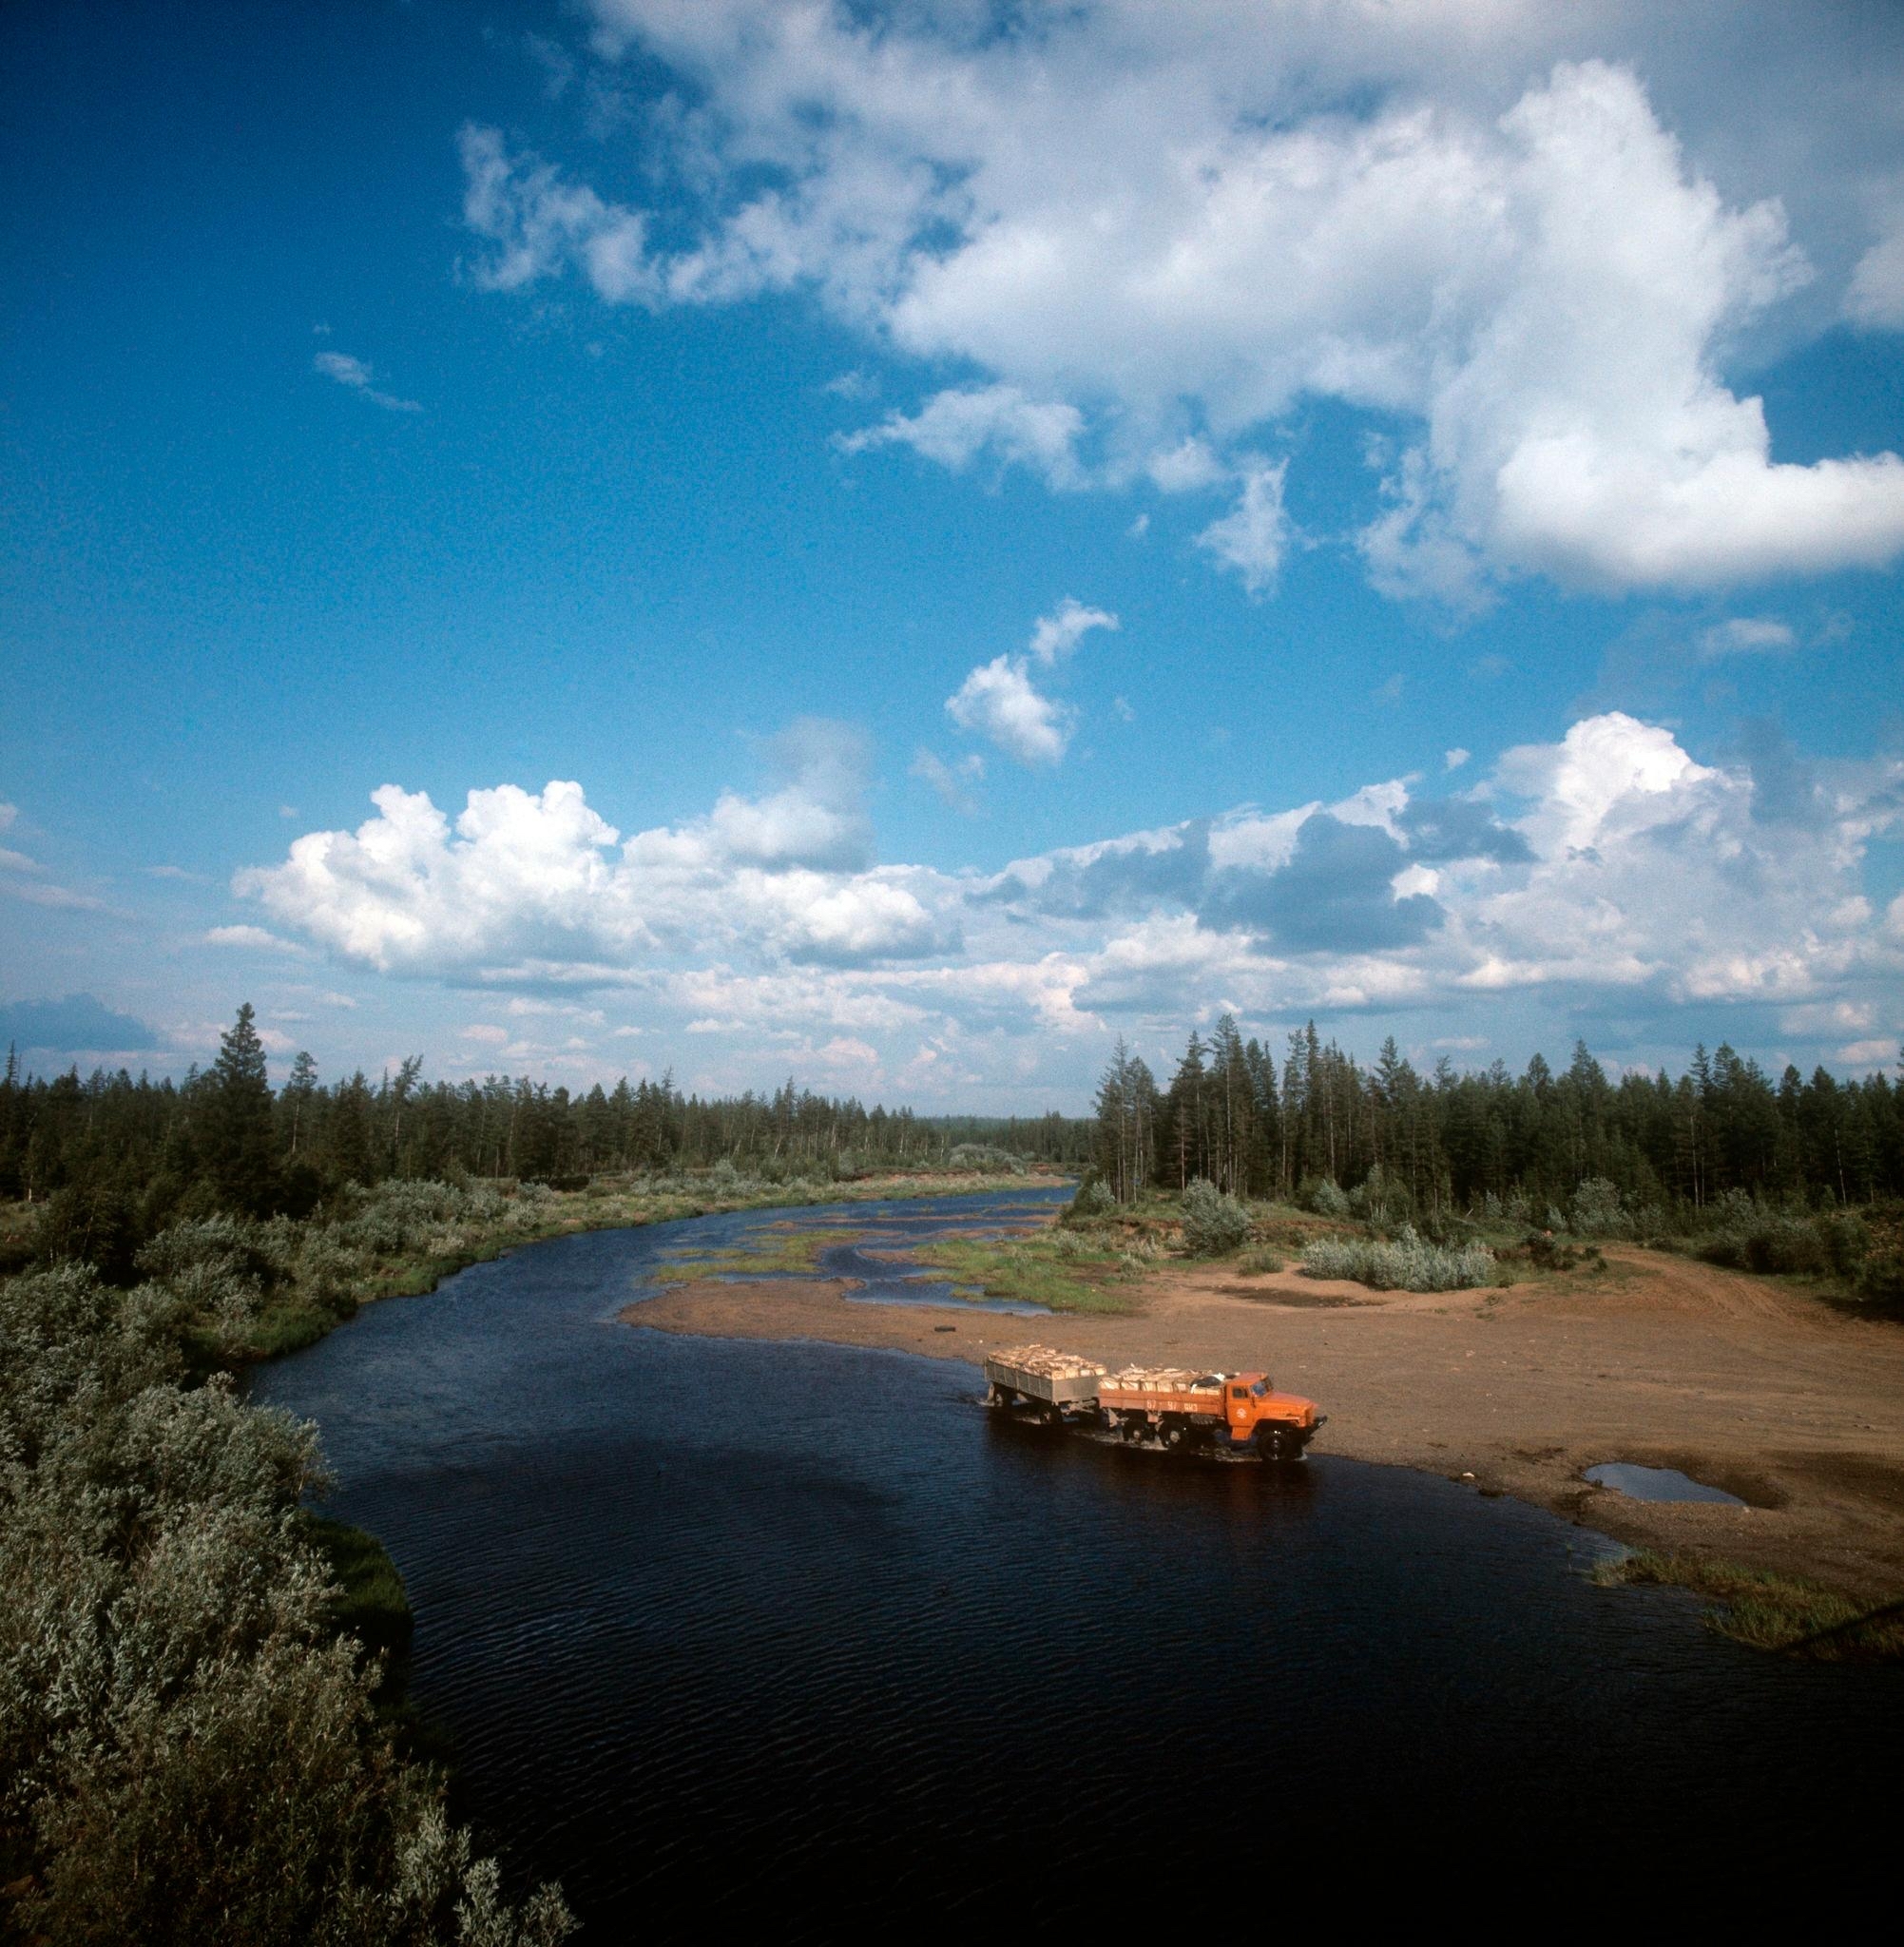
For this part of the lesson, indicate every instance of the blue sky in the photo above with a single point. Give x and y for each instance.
(937, 537)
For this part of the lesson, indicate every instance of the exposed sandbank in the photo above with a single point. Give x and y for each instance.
(1737, 1380)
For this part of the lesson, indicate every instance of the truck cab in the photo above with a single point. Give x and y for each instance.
(1281, 1424)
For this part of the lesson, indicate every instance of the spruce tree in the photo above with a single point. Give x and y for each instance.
(239, 1152)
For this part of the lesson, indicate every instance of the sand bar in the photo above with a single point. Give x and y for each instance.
(1741, 1382)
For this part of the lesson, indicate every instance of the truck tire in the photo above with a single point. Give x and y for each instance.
(1274, 1444)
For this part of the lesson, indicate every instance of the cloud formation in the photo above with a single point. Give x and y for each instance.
(79, 1025)
(532, 884)
(23, 877)
(1127, 218)
(1876, 296)
(955, 428)
(952, 782)
(1054, 636)
(999, 701)
(354, 375)
(1250, 539)
(1746, 635)
(1608, 869)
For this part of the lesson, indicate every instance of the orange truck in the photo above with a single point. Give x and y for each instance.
(1170, 1406)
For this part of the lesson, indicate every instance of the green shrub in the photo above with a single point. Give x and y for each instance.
(1326, 1199)
(1408, 1263)
(1545, 1253)
(1597, 1211)
(984, 1159)
(1880, 1278)
(89, 1222)
(1260, 1260)
(1213, 1222)
(189, 1749)
(1748, 1236)
(1382, 1198)
(1093, 1198)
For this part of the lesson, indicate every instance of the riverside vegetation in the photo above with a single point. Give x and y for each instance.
(1799, 1175)
(1788, 1613)
(189, 1733)
(192, 1742)
(197, 1732)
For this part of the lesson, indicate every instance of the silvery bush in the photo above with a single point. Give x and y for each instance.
(1213, 1222)
(1407, 1263)
(188, 1752)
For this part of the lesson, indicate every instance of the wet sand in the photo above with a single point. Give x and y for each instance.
(1739, 1381)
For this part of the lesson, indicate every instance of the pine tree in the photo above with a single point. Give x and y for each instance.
(297, 1095)
(236, 1147)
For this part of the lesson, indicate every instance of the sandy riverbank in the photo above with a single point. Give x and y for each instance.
(1737, 1381)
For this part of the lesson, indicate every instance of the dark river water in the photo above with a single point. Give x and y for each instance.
(784, 1634)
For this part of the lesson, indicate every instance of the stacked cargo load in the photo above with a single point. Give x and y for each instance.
(1170, 1405)
(1040, 1372)
(1163, 1378)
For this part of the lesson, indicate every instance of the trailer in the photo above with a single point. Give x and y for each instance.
(1168, 1406)
(1036, 1376)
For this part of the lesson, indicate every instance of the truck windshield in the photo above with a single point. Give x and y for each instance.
(1261, 1387)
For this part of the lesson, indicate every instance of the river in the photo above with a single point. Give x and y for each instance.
(725, 1629)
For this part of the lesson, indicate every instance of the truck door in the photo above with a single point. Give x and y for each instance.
(1242, 1414)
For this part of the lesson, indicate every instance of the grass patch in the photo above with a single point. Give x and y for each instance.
(1784, 1614)
(1260, 1260)
(1065, 1268)
(370, 1602)
(1058, 1269)
(780, 1252)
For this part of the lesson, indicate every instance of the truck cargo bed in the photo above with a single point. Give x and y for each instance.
(1040, 1373)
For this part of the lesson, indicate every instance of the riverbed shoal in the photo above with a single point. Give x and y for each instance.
(1742, 1383)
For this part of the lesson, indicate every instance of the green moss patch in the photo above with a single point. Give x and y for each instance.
(370, 1602)
(1784, 1614)
(1058, 1269)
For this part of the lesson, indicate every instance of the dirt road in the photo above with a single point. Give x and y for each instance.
(1739, 1381)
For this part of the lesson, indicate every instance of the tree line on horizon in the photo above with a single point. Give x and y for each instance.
(138, 1154)
(132, 1155)
(1234, 1115)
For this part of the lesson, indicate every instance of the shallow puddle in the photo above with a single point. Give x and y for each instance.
(1657, 1484)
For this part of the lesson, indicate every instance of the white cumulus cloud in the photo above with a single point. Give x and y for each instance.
(1746, 635)
(1122, 214)
(999, 701)
(539, 880)
(955, 428)
(1876, 296)
(1250, 540)
(1609, 864)
(1054, 636)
